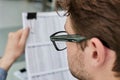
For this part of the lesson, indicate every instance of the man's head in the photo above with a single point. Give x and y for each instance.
(99, 21)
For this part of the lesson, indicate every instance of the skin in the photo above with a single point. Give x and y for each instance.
(15, 48)
(94, 63)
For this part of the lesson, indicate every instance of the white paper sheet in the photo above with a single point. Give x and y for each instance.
(43, 61)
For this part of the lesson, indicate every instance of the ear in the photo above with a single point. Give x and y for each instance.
(98, 52)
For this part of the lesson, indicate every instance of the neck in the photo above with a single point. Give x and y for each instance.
(106, 77)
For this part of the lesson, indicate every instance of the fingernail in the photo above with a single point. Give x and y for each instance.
(25, 28)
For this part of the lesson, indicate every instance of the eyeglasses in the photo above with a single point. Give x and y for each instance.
(60, 38)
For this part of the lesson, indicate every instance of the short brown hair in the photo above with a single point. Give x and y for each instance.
(99, 18)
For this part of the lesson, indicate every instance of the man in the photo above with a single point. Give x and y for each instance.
(93, 48)
(95, 55)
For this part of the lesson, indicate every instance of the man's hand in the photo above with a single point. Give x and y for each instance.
(15, 47)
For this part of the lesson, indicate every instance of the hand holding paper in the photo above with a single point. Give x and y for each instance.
(15, 47)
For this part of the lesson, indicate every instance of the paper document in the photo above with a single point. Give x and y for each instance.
(42, 60)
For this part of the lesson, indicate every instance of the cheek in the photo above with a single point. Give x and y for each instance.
(73, 54)
(71, 49)
(75, 58)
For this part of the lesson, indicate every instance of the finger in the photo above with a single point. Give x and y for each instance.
(10, 34)
(19, 33)
(24, 36)
(15, 34)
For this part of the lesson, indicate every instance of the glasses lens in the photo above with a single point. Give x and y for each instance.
(61, 45)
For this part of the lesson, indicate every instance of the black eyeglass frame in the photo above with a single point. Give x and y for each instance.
(66, 38)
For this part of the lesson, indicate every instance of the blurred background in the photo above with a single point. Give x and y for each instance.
(11, 20)
(11, 15)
